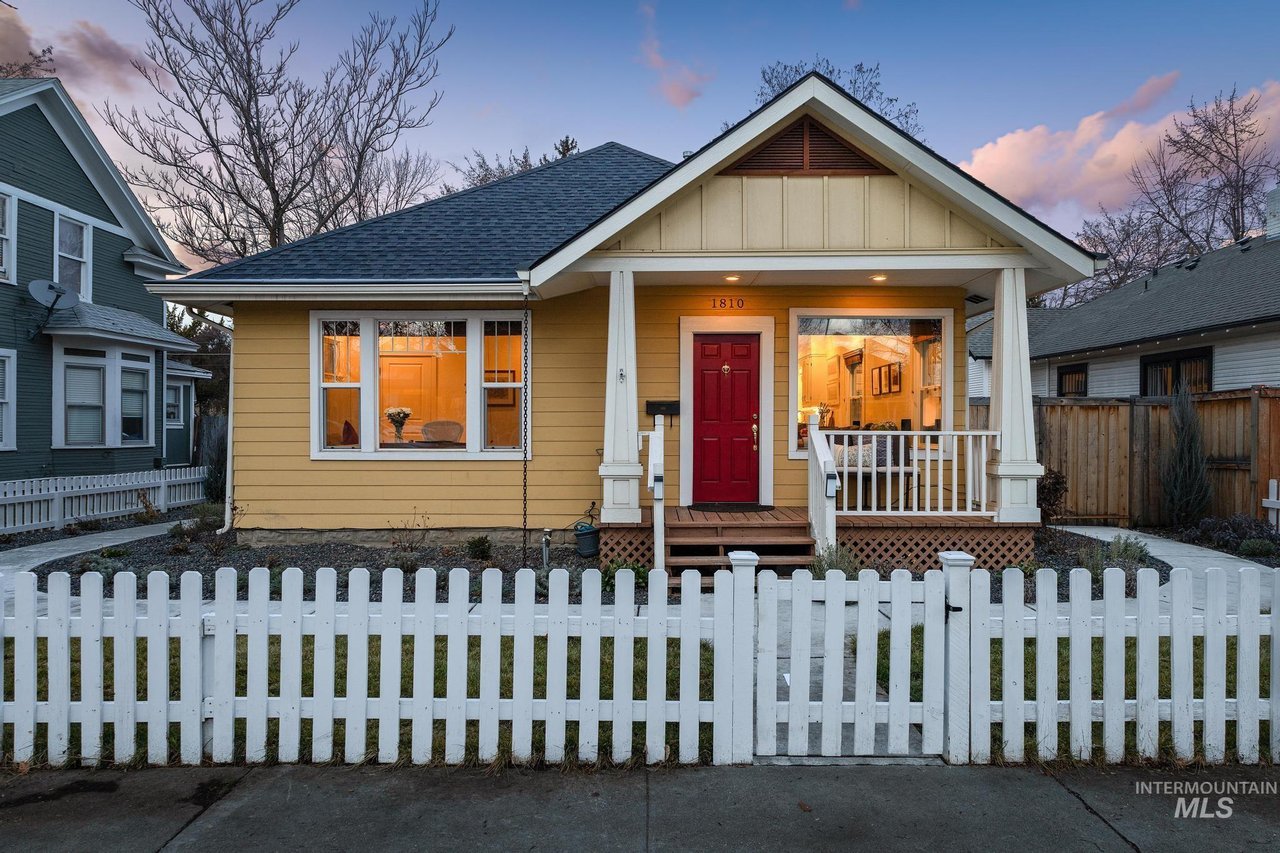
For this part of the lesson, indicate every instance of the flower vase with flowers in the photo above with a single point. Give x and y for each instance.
(398, 416)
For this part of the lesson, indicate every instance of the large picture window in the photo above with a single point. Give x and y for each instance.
(432, 384)
(868, 372)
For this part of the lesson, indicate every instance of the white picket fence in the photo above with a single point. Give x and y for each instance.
(797, 666)
(53, 502)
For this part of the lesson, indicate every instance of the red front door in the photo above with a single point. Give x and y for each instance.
(726, 419)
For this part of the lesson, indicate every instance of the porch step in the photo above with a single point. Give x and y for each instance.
(764, 538)
(715, 561)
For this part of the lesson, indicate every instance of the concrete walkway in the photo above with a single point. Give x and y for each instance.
(316, 808)
(1180, 555)
(27, 558)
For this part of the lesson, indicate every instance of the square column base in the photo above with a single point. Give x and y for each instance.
(621, 504)
(1014, 485)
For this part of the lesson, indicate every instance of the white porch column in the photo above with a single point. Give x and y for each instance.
(1014, 471)
(620, 468)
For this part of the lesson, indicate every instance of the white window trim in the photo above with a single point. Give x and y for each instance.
(86, 282)
(946, 315)
(10, 275)
(370, 414)
(10, 414)
(181, 421)
(112, 364)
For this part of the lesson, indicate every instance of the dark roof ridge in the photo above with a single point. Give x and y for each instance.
(426, 202)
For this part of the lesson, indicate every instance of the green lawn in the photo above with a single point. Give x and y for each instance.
(407, 650)
(1130, 671)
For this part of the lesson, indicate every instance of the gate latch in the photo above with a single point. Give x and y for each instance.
(951, 608)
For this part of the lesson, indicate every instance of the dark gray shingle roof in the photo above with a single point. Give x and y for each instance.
(13, 85)
(1228, 287)
(485, 233)
(114, 322)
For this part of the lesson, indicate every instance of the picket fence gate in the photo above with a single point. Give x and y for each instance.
(54, 502)
(241, 677)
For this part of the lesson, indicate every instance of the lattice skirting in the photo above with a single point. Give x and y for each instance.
(627, 545)
(995, 547)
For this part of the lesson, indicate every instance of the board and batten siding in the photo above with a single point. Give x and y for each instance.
(732, 213)
(280, 486)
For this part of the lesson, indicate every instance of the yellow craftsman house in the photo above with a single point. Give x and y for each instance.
(760, 346)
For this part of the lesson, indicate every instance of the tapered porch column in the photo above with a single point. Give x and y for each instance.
(620, 468)
(1014, 470)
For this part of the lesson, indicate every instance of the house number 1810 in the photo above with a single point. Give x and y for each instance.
(728, 302)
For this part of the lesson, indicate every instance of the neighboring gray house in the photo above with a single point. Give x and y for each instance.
(82, 391)
(1212, 321)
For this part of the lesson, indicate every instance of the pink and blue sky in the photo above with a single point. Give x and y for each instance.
(1048, 102)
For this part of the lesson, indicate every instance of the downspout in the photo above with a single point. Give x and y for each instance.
(231, 408)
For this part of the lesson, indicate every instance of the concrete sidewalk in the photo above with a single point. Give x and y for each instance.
(1180, 555)
(740, 808)
(27, 558)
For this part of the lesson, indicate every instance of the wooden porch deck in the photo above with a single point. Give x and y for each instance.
(702, 539)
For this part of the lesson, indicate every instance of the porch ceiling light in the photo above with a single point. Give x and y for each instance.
(732, 278)
(879, 277)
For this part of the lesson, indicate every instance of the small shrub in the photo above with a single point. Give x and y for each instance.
(1051, 494)
(104, 566)
(1093, 558)
(207, 517)
(479, 547)
(181, 532)
(609, 574)
(1257, 548)
(148, 513)
(1186, 467)
(115, 552)
(411, 534)
(1029, 566)
(216, 545)
(180, 546)
(405, 561)
(6, 538)
(274, 561)
(87, 525)
(1128, 550)
(833, 558)
(1228, 534)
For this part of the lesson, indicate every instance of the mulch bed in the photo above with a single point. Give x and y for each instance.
(9, 541)
(1060, 550)
(207, 553)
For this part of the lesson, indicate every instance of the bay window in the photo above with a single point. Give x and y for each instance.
(102, 396)
(861, 370)
(419, 384)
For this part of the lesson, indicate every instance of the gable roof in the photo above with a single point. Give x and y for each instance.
(483, 234)
(1038, 321)
(1229, 287)
(62, 113)
(880, 138)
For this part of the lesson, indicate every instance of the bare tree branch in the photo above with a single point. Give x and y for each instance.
(245, 156)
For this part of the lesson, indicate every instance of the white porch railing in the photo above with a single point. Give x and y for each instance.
(907, 472)
(657, 451)
(823, 486)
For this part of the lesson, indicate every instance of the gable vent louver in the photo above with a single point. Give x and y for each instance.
(806, 148)
(975, 298)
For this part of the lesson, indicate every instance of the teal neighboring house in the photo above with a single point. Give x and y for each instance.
(94, 389)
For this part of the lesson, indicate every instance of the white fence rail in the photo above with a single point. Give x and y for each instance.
(758, 666)
(1271, 503)
(53, 502)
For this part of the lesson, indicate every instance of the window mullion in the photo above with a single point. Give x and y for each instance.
(369, 416)
(475, 383)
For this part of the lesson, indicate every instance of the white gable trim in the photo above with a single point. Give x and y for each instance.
(52, 100)
(1062, 258)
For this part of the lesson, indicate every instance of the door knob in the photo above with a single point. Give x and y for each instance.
(755, 437)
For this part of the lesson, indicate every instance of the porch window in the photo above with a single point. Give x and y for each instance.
(1164, 372)
(867, 372)
(430, 384)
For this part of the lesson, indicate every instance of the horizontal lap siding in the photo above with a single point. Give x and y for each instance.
(280, 486)
(658, 313)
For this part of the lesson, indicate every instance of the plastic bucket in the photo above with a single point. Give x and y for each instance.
(588, 537)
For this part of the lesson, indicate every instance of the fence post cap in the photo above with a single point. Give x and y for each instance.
(744, 559)
(958, 559)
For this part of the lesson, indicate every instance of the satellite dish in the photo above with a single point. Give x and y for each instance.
(52, 295)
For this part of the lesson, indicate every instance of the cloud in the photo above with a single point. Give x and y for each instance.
(87, 55)
(679, 84)
(1062, 175)
(16, 42)
(1146, 96)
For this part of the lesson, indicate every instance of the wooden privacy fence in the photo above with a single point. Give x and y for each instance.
(1112, 451)
(752, 669)
(53, 502)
